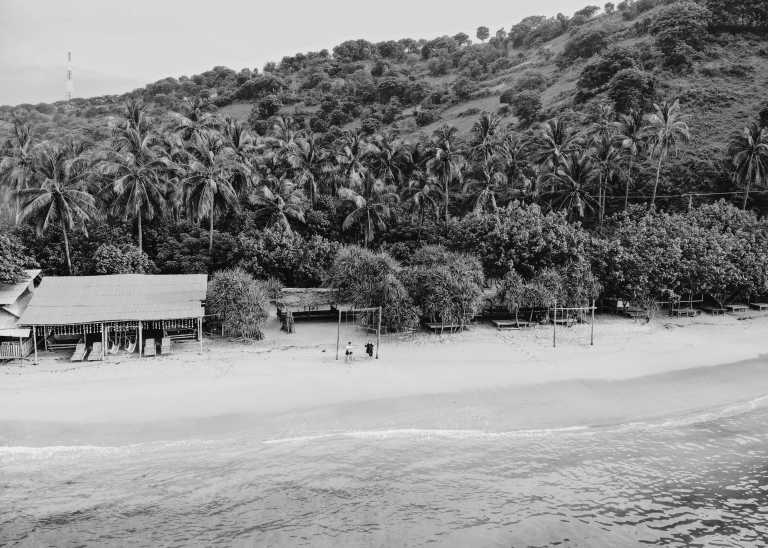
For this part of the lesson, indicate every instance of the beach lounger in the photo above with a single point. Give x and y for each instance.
(96, 352)
(759, 306)
(149, 347)
(79, 354)
(131, 348)
(165, 346)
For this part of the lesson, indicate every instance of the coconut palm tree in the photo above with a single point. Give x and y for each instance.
(571, 183)
(485, 141)
(422, 195)
(371, 199)
(749, 156)
(195, 118)
(445, 163)
(606, 158)
(353, 155)
(244, 146)
(137, 169)
(59, 197)
(553, 142)
(666, 129)
(391, 158)
(208, 176)
(484, 186)
(307, 160)
(16, 161)
(279, 203)
(631, 135)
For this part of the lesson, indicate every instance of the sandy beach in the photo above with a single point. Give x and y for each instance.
(291, 385)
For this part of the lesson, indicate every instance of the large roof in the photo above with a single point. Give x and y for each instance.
(119, 297)
(9, 293)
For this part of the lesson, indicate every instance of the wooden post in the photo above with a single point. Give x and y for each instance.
(378, 335)
(592, 326)
(141, 343)
(200, 332)
(338, 336)
(103, 341)
(34, 341)
(45, 339)
(554, 326)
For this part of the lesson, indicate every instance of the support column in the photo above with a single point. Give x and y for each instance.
(592, 326)
(103, 341)
(34, 341)
(200, 332)
(141, 343)
(554, 326)
(338, 335)
(378, 335)
(45, 338)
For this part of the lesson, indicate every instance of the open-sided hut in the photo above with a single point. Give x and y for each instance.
(98, 312)
(16, 341)
(307, 303)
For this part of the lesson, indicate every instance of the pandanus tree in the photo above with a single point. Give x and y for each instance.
(278, 203)
(137, 168)
(666, 130)
(208, 177)
(445, 164)
(370, 199)
(749, 157)
(16, 161)
(631, 135)
(571, 184)
(60, 196)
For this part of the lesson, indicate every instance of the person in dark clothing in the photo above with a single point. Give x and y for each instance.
(369, 349)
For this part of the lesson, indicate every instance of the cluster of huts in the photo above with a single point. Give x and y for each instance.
(93, 316)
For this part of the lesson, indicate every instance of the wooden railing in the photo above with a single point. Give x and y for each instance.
(15, 350)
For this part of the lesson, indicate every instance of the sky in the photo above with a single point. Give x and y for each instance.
(118, 46)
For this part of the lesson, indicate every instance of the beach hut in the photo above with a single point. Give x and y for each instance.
(306, 303)
(95, 315)
(15, 341)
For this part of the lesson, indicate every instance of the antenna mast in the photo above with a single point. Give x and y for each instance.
(69, 86)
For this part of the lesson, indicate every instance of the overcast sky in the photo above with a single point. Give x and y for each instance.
(120, 45)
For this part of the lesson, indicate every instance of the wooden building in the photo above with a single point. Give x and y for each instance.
(16, 341)
(91, 315)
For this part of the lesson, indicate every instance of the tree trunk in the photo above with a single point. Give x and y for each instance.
(746, 195)
(446, 203)
(210, 232)
(626, 186)
(141, 235)
(656, 184)
(66, 249)
(600, 202)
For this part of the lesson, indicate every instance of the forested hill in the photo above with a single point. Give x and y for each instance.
(595, 147)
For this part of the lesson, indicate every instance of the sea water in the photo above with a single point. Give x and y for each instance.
(695, 480)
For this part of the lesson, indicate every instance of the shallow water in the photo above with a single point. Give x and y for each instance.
(696, 480)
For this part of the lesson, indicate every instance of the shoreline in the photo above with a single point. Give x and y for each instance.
(276, 389)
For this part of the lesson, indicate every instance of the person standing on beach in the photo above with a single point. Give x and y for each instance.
(369, 349)
(348, 352)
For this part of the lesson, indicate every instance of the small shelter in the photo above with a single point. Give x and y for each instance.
(307, 303)
(16, 341)
(96, 313)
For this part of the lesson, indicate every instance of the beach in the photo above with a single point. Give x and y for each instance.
(292, 385)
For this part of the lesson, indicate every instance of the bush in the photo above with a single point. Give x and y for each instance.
(526, 106)
(681, 28)
(240, 303)
(585, 44)
(632, 89)
(447, 287)
(531, 80)
(14, 258)
(110, 259)
(600, 71)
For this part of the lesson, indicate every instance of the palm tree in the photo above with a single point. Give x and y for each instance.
(195, 118)
(485, 142)
(16, 163)
(353, 155)
(485, 185)
(572, 181)
(607, 157)
(208, 179)
(243, 145)
(554, 141)
(137, 168)
(371, 199)
(422, 194)
(749, 157)
(307, 160)
(666, 129)
(445, 163)
(59, 197)
(631, 135)
(392, 159)
(279, 203)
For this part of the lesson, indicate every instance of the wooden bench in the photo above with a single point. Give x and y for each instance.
(714, 310)
(567, 322)
(737, 307)
(451, 328)
(759, 306)
(511, 324)
(685, 312)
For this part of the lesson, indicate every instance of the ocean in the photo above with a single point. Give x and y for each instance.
(695, 480)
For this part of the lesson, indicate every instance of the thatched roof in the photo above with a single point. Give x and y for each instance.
(120, 297)
(305, 298)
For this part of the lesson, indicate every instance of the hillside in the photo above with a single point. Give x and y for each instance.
(415, 86)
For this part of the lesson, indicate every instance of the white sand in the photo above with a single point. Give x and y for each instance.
(297, 374)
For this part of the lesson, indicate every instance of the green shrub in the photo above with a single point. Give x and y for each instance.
(239, 301)
(110, 259)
